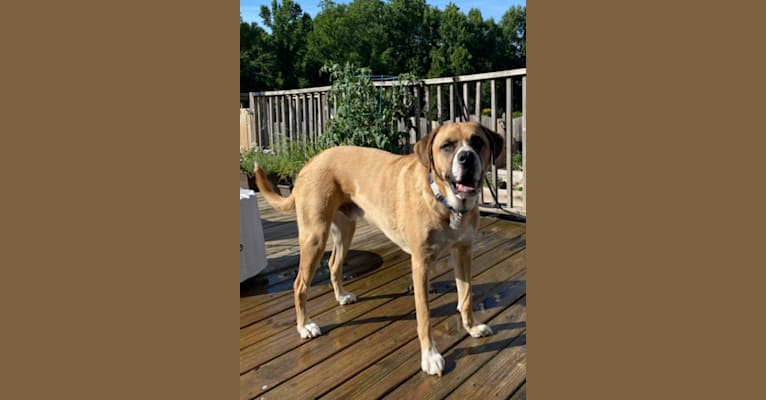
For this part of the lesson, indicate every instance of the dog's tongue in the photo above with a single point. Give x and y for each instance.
(464, 188)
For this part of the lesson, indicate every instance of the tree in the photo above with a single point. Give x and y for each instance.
(256, 60)
(514, 30)
(478, 42)
(409, 29)
(289, 27)
(389, 37)
(353, 33)
(450, 55)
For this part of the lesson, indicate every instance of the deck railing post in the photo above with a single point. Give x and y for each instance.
(524, 138)
(415, 138)
(283, 123)
(509, 139)
(253, 127)
(439, 114)
(464, 108)
(305, 116)
(477, 101)
(493, 126)
(270, 122)
(452, 95)
(427, 90)
(289, 116)
(312, 113)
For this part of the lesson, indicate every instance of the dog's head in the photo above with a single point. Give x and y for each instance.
(459, 154)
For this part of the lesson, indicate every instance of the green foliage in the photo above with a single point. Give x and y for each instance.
(514, 32)
(246, 161)
(351, 33)
(410, 31)
(285, 45)
(284, 161)
(386, 36)
(257, 61)
(516, 161)
(367, 116)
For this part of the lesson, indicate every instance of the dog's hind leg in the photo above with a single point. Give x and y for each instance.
(313, 229)
(342, 231)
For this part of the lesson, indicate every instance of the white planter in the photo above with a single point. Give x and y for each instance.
(252, 247)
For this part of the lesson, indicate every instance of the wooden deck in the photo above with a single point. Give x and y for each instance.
(369, 349)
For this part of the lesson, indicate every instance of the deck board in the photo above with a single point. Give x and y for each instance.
(369, 349)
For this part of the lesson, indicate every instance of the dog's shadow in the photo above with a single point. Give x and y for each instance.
(279, 230)
(281, 272)
(448, 309)
(450, 361)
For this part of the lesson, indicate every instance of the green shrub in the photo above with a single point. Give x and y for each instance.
(246, 164)
(287, 158)
(367, 116)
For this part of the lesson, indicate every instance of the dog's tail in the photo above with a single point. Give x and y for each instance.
(279, 203)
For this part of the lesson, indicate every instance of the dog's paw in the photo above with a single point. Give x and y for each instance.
(431, 362)
(346, 298)
(309, 330)
(480, 330)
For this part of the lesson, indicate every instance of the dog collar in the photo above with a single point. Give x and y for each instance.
(439, 196)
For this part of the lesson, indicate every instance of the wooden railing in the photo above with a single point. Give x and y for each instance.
(304, 114)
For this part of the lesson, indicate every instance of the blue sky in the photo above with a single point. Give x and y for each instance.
(489, 8)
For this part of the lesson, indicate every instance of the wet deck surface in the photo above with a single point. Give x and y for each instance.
(369, 349)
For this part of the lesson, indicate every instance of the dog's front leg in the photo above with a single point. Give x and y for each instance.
(430, 360)
(461, 255)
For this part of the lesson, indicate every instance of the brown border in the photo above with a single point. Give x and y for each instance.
(642, 124)
(124, 120)
(643, 241)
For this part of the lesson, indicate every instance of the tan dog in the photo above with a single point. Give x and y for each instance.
(424, 217)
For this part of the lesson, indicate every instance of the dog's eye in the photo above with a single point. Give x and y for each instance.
(477, 143)
(447, 146)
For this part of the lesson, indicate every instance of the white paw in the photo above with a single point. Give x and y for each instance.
(346, 298)
(480, 330)
(432, 362)
(309, 331)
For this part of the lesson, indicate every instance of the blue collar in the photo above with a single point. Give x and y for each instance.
(439, 196)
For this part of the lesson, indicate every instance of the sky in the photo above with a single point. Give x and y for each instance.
(489, 8)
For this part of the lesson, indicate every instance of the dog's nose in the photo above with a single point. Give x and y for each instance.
(464, 157)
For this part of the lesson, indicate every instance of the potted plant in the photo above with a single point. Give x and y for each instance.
(290, 157)
(283, 164)
(246, 164)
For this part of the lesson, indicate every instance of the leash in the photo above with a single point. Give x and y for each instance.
(486, 178)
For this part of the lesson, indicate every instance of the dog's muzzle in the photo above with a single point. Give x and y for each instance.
(466, 171)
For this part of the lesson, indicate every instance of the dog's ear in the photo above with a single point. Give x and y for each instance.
(423, 148)
(495, 142)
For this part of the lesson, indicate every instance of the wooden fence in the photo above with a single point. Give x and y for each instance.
(304, 114)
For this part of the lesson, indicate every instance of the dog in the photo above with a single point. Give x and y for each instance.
(426, 202)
